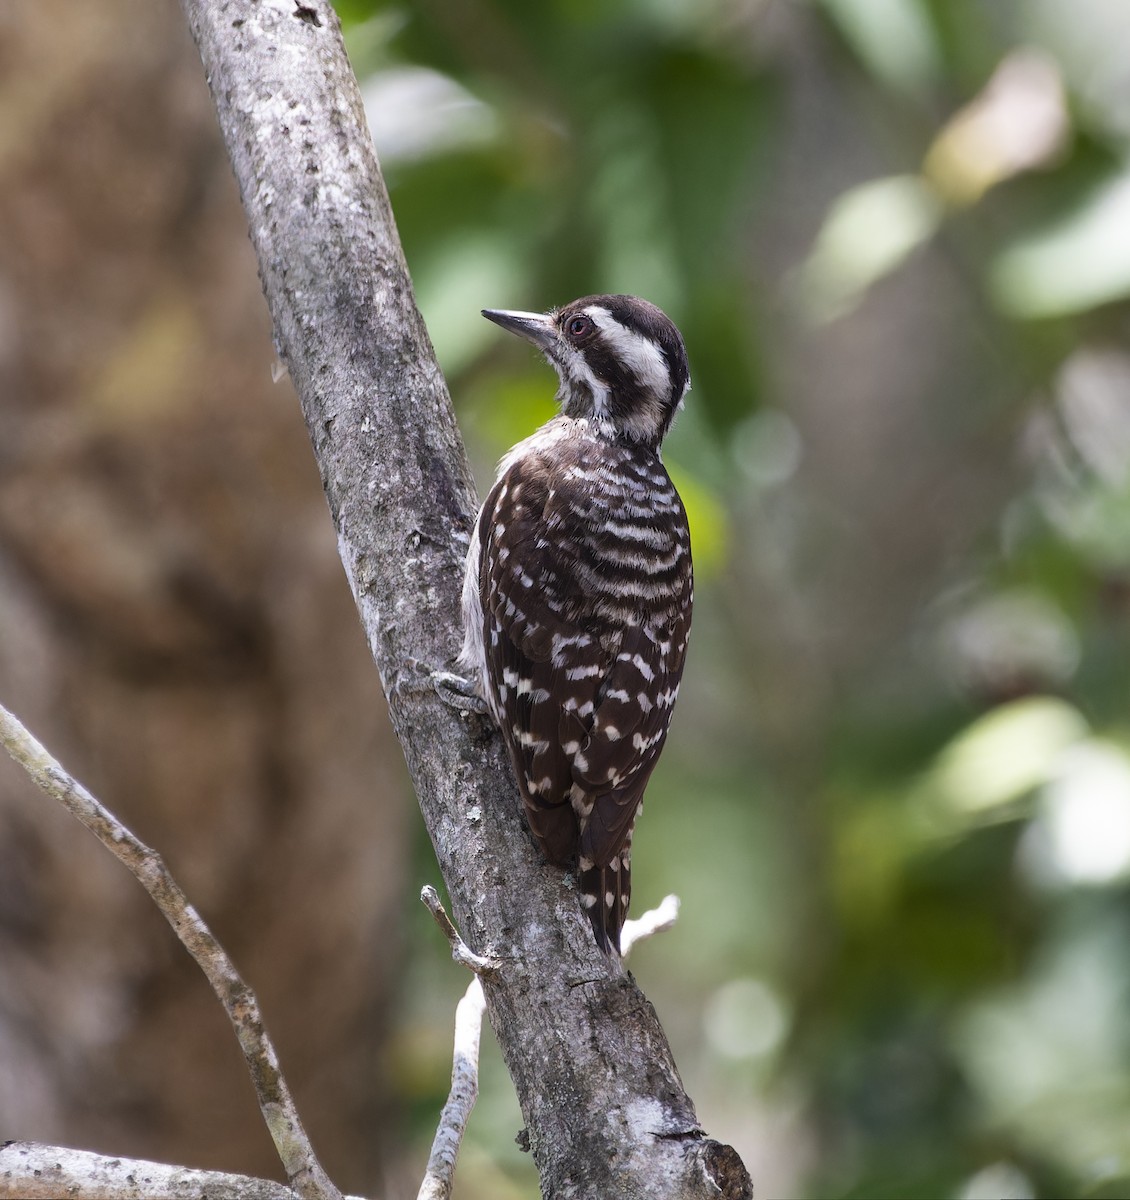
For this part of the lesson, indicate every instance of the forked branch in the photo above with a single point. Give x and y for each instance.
(440, 1175)
(305, 1173)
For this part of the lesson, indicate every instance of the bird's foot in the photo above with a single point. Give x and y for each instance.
(458, 692)
(454, 690)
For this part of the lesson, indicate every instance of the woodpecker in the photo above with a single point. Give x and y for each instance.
(578, 589)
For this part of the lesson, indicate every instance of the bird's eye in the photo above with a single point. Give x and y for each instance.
(577, 327)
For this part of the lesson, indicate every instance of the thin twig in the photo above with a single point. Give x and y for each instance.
(440, 1175)
(302, 1167)
(460, 951)
(656, 920)
(461, 1099)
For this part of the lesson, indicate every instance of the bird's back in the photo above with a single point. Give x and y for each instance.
(584, 587)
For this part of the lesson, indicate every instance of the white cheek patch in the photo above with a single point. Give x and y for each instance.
(574, 365)
(639, 354)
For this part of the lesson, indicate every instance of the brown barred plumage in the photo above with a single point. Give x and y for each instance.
(578, 592)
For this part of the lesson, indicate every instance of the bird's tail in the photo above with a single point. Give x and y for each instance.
(605, 891)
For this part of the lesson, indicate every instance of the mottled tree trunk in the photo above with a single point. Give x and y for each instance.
(605, 1109)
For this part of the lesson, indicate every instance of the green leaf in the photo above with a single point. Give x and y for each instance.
(894, 38)
(1006, 754)
(869, 232)
(1073, 264)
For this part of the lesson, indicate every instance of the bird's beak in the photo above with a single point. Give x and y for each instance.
(534, 327)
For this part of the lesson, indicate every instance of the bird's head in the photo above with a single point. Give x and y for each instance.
(621, 361)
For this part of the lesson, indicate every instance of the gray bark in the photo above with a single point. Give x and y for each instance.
(605, 1110)
(31, 1172)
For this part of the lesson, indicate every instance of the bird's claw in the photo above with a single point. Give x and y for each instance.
(458, 692)
(454, 690)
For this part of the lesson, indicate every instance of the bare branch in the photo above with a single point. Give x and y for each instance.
(656, 920)
(440, 1175)
(461, 1099)
(302, 1167)
(460, 951)
(32, 1172)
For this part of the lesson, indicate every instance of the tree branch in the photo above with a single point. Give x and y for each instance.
(605, 1108)
(33, 1172)
(302, 1167)
(461, 1099)
(460, 951)
(655, 920)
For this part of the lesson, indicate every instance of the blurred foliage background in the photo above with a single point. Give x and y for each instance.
(896, 799)
(896, 802)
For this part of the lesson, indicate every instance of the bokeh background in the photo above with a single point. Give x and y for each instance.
(896, 799)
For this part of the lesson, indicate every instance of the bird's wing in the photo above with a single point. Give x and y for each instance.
(541, 661)
(627, 732)
(584, 695)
